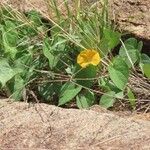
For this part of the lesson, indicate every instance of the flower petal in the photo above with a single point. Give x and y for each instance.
(87, 57)
(95, 59)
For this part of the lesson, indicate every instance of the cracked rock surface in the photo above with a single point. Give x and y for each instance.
(133, 16)
(41, 126)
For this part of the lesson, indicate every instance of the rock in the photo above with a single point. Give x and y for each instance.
(133, 16)
(42, 126)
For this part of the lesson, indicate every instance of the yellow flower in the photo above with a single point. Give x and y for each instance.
(87, 57)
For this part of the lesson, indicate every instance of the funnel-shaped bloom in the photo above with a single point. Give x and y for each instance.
(87, 57)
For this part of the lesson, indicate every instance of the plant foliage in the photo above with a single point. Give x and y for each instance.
(33, 61)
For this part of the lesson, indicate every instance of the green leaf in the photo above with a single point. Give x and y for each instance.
(145, 65)
(104, 47)
(48, 53)
(10, 34)
(47, 90)
(119, 95)
(112, 37)
(35, 17)
(6, 72)
(10, 51)
(68, 92)
(9, 42)
(130, 51)
(146, 69)
(85, 100)
(10, 38)
(108, 99)
(131, 97)
(107, 85)
(103, 83)
(140, 46)
(87, 74)
(18, 87)
(119, 72)
(145, 59)
(110, 40)
(82, 102)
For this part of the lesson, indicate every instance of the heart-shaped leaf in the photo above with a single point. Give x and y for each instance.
(6, 72)
(85, 100)
(108, 99)
(68, 92)
(119, 72)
